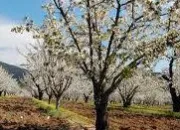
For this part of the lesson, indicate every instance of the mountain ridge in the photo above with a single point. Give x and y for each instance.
(16, 72)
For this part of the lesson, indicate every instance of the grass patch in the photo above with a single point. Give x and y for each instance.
(160, 111)
(163, 111)
(70, 116)
(7, 97)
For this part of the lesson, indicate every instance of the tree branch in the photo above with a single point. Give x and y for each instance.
(70, 30)
(103, 72)
(119, 77)
(89, 21)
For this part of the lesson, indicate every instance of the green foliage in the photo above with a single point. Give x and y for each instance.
(127, 72)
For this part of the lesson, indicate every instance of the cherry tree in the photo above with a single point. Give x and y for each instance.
(114, 97)
(143, 87)
(34, 66)
(47, 73)
(151, 90)
(49, 65)
(129, 87)
(81, 88)
(87, 96)
(106, 40)
(171, 76)
(87, 87)
(7, 83)
(48, 90)
(30, 86)
(171, 26)
(107, 37)
(60, 78)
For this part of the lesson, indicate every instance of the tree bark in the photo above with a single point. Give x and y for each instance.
(101, 113)
(174, 96)
(1, 93)
(57, 102)
(76, 99)
(176, 106)
(126, 104)
(40, 96)
(175, 99)
(49, 99)
(5, 93)
(86, 99)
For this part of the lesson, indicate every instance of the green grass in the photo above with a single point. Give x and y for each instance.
(7, 97)
(154, 110)
(163, 111)
(70, 116)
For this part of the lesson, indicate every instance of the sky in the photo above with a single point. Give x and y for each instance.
(12, 13)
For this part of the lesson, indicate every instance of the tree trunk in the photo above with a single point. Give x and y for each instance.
(176, 106)
(49, 99)
(126, 104)
(174, 96)
(175, 99)
(1, 93)
(57, 102)
(76, 99)
(101, 113)
(40, 96)
(5, 93)
(86, 99)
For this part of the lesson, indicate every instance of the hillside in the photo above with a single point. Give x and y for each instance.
(17, 72)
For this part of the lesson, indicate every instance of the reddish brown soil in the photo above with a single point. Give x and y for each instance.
(122, 120)
(21, 114)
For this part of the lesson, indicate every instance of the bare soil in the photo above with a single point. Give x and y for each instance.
(21, 114)
(123, 120)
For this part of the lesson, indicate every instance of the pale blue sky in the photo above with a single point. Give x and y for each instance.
(12, 13)
(17, 9)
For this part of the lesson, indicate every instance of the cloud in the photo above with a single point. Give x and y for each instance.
(10, 43)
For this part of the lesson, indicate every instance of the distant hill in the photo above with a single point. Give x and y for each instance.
(17, 72)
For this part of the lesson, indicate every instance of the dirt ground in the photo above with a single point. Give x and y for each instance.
(121, 120)
(21, 114)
